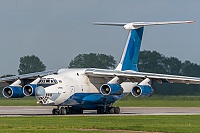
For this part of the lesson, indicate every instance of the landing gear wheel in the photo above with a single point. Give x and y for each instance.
(111, 110)
(117, 110)
(62, 111)
(55, 111)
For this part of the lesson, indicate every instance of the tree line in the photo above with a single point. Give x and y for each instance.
(149, 61)
(154, 62)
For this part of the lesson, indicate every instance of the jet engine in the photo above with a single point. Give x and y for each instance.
(29, 90)
(13, 92)
(111, 89)
(143, 89)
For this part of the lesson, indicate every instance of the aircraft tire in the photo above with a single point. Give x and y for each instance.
(111, 110)
(55, 111)
(116, 110)
(62, 111)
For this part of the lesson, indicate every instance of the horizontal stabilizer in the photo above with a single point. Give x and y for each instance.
(136, 25)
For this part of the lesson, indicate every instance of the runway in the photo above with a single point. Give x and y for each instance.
(10, 111)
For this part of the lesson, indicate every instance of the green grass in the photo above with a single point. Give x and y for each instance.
(160, 101)
(129, 101)
(26, 101)
(172, 124)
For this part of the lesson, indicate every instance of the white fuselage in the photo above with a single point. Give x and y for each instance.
(73, 84)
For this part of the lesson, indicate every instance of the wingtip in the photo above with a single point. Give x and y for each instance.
(95, 23)
(193, 21)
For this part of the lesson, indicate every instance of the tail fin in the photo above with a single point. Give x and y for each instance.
(131, 51)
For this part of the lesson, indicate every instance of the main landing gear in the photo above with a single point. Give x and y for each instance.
(71, 110)
(66, 110)
(108, 110)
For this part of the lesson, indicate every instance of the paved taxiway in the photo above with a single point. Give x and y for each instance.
(46, 111)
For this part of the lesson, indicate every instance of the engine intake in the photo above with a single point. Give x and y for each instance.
(29, 90)
(111, 89)
(13, 92)
(142, 91)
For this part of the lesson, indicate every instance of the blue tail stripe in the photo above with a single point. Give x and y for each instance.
(132, 52)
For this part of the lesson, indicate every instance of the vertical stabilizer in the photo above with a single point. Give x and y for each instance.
(131, 51)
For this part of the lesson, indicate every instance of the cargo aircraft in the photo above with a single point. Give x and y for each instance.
(75, 90)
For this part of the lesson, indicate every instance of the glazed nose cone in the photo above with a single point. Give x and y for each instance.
(40, 91)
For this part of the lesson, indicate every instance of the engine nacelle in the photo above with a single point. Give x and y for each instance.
(29, 90)
(142, 91)
(111, 89)
(13, 92)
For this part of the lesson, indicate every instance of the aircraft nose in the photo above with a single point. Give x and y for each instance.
(40, 91)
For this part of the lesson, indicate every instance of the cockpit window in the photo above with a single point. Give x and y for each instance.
(55, 81)
(45, 82)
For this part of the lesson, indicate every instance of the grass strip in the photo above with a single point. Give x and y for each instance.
(172, 124)
(26, 101)
(159, 101)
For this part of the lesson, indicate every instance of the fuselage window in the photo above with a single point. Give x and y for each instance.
(47, 81)
(55, 81)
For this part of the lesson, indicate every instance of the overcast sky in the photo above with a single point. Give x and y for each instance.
(58, 30)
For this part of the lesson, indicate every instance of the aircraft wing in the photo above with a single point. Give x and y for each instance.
(139, 76)
(31, 76)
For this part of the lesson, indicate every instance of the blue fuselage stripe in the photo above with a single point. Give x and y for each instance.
(91, 100)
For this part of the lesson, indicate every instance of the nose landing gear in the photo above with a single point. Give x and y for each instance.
(56, 111)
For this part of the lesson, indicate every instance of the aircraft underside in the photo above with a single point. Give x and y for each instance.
(88, 101)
